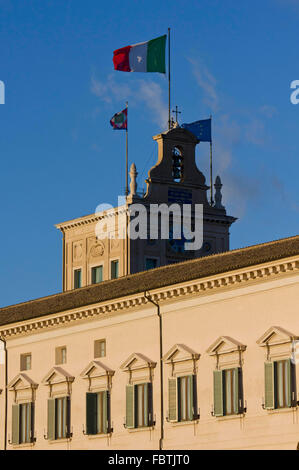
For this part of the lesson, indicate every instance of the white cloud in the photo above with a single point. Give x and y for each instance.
(255, 132)
(268, 111)
(145, 92)
(206, 82)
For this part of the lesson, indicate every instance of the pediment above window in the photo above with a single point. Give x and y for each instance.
(99, 376)
(139, 367)
(275, 336)
(22, 382)
(180, 353)
(96, 369)
(225, 345)
(57, 375)
(137, 361)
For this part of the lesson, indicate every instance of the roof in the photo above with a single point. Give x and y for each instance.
(154, 279)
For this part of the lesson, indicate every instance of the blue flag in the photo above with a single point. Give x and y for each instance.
(201, 129)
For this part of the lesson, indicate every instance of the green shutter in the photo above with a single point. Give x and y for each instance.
(91, 413)
(150, 417)
(238, 391)
(130, 405)
(190, 397)
(31, 421)
(146, 404)
(68, 416)
(291, 384)
(218, 392)
(15, 424)
(106, 412)
(51, 419)
(172, 399)
(269, 386)
(194, 398)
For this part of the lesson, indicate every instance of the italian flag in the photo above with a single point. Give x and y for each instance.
(143, 57)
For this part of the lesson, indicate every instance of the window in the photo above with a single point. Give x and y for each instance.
(58, 418)
(151, 263)
(114, 269)
(139, 405)
(280, 384)
(60, 355)
(22, 423)
(77, 278)
(228, 392)
(98, 413)
(177, 165)
(182, 398)
(96, 274)
(25, 361)
(25, 422)
(100, 348)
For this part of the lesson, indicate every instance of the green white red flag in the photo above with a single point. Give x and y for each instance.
(146, 56)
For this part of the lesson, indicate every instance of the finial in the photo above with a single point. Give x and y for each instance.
(218, 195)
(133, 182)
(176, 112)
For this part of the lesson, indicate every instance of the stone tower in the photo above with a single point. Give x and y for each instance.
(174, 179)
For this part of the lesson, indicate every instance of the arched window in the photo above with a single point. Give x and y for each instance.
(177, 165)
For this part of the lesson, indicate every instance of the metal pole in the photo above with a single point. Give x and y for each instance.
(169, 123)
(5, 391)
(149, 298)
(211, 167)
(127, 192)
(127, 186)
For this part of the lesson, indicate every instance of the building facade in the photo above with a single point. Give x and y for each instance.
(200, 354)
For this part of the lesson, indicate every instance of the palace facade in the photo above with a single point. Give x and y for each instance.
(191, 352)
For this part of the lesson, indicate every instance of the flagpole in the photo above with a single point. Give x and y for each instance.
(169, 78)
(211, 165)
(127, 192)
(127, 187)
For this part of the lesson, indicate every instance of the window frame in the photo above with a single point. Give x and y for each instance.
(185, 398)
(236, 392)
(95, 266)
(76, 270)
(100, 341)
(114, 260)
(145, 404)
(61, 418)
(23, 361)
(25, 428)
(59, 355)
(229, 372)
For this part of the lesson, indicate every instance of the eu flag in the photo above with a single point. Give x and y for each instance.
(201, 129)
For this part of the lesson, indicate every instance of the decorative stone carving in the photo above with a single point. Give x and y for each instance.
(218, 195)
(77, 251)
(133, 176)
(97, 250)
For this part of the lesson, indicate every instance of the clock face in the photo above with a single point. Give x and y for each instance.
(178, 244)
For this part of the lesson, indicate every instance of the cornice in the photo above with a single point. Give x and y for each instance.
(209, 285)
(90, 219)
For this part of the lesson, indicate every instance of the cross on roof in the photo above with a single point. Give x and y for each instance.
(176, 111)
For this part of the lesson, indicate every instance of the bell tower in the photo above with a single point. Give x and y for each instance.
(175, 179)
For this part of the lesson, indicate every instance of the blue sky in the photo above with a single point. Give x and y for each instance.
(59, 156)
